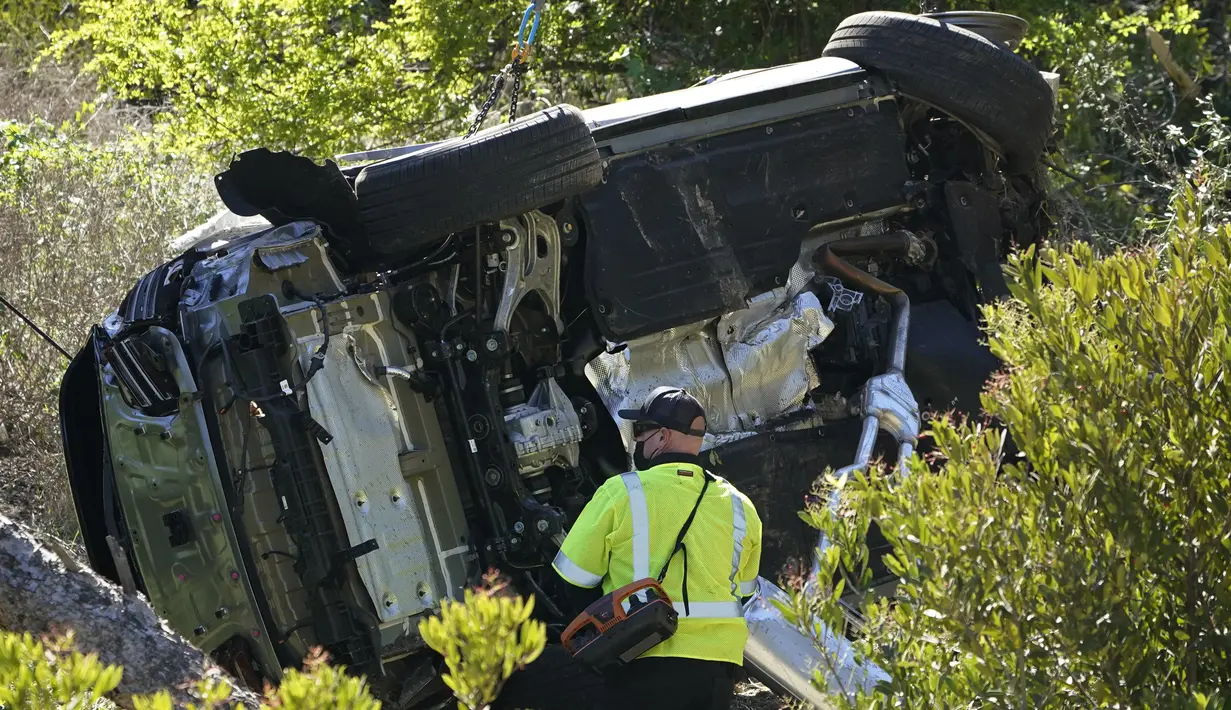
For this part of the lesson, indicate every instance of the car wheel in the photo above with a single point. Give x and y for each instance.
(409, 202)
(967, 76)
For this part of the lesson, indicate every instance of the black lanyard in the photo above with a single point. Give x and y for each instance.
(679, 541)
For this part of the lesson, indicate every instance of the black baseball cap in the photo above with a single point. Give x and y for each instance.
(670, 408)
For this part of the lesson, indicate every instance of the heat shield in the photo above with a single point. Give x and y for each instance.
(747, 368)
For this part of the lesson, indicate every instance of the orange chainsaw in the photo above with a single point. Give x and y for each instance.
(622, 625)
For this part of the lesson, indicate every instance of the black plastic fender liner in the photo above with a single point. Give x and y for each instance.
(284, 187)
(957, 71)
(687, 231)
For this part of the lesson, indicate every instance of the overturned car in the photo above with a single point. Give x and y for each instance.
(361, 388)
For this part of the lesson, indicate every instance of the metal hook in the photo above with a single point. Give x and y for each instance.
(524, 41)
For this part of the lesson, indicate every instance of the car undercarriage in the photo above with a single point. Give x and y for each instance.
(312, 438)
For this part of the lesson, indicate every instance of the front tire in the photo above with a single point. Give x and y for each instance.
(967, 76)
(409, 202)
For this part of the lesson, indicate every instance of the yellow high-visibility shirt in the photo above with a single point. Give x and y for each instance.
(627, 531)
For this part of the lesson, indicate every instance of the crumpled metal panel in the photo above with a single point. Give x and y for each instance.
(223, 226)
(746, 368)
(765, 347)
(220, 277)
(374, 499)
(277, 258)
(888, 398)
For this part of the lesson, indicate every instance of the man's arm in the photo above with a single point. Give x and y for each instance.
(583, 558)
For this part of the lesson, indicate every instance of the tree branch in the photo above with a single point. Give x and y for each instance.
(1162, 50)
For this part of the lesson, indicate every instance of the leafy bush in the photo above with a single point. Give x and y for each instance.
(25, 24)
(80, 223)
(1128, 131)
(1096, 570)
(36, 674)
(315, 75)
(483, 640)
(46, 674)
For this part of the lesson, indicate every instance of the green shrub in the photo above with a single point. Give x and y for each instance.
(26, 24)
(80, 222)
(47, 674)
(484, 639)
(320, 687)
(1127, 132)
(1096, 570)
(35, 675)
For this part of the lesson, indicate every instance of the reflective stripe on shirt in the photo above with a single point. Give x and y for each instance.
(641, 525)
(741, 528)
(574, 572)
(747, 589)
(710, 610)
(640, 518)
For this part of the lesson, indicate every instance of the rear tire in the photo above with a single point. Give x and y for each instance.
(957, 71)
(409, 202)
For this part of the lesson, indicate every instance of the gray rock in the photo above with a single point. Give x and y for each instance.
(43, 590)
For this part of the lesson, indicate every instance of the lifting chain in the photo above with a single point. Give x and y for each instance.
(516, 68)
(519, 70)
(497, 87)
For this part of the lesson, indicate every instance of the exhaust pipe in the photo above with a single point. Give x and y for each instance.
(787, 659)
(778, 652)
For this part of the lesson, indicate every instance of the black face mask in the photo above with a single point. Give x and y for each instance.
(640, 460)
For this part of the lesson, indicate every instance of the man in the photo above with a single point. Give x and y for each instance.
(627, 533)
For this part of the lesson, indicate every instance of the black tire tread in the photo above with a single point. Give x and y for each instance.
(957, 71)
(409, 202)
